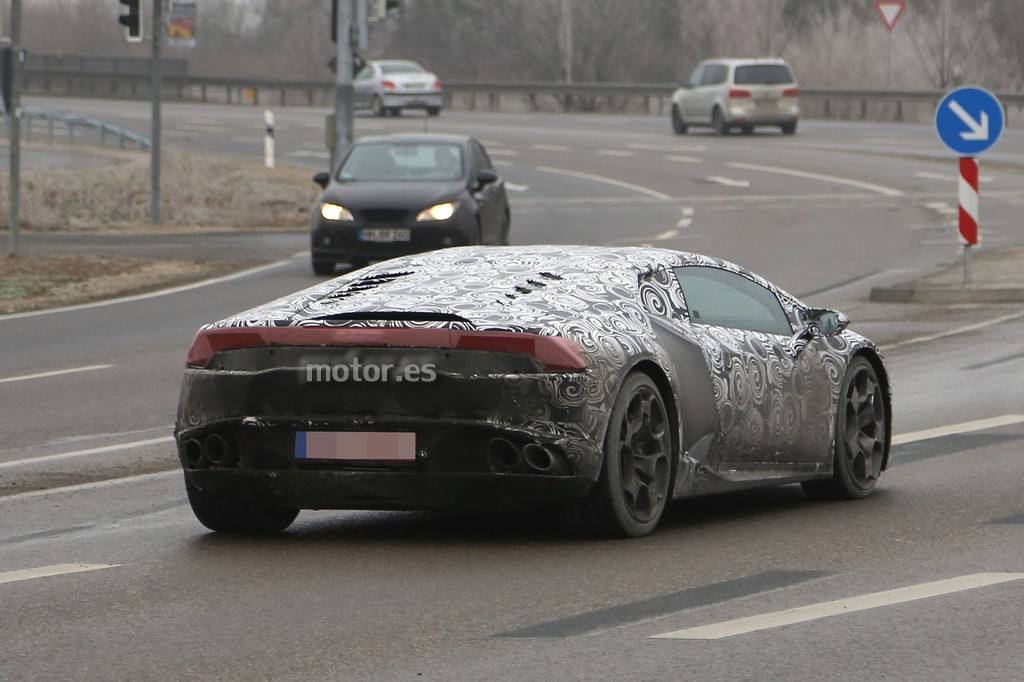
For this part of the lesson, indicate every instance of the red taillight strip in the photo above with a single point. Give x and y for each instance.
(735, 93)
(554, 353)
(791, 92)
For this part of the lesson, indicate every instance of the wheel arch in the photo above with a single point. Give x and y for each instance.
(876, 362)
(664, 386)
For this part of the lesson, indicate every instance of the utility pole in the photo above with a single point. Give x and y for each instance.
(157, 87)
(14, 120)
(566, 26)
(343, 81)
(944, 67)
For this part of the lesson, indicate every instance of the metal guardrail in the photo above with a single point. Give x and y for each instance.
(647, 97)
(56, 122)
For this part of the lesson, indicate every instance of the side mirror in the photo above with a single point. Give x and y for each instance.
(486, 177)
(819, 322)
(323, 178)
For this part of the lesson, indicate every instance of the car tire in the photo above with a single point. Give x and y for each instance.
(357, 263)
(378, 107)
(862, 423)
(747, 130)
(789, 128)
(323, 267)
(633, 487)
(506, 228)
(394, 111)
(226, 514)
(679, 126)
(719, 123)
(433, 111)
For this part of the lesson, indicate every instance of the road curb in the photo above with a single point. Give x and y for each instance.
(946, 295)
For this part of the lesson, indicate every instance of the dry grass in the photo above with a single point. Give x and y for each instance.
(198, 191)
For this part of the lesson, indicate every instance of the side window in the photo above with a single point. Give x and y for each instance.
(696, 77)
(480, 159)
(725, 299)
(714, 74)
(365, 74)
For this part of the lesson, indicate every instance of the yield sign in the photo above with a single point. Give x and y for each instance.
(890, 11)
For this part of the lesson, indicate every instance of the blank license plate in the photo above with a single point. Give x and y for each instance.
(385, 235)
(379, 446)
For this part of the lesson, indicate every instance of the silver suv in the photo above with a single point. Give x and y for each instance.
(737, 93)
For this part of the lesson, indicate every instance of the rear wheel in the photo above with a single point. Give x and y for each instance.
(679, 126)
(861, 434)
(719, 123)
(323, 267)
(747, 130)
(227, 514)
(378, 106)
(632, 490)
(395, 111)
(789, 128)
(433, 111)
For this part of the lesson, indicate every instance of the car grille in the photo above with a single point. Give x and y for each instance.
(385, 216)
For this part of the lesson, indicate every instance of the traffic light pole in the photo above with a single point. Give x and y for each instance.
(343, 82)
(14, 120)
(157, 88)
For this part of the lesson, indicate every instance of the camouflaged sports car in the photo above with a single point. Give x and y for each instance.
(599, 383)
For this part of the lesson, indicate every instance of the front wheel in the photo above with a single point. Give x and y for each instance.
(862, 423)
(226, 514)
(789, 128)
(679, 126)
(633, 488)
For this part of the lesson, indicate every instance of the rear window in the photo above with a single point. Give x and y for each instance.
(400, 67)
(763, 74)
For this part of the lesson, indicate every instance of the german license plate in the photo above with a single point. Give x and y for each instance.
(385, 235)
(765, 102)
(377, 446)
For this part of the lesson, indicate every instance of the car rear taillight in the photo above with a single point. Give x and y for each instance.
(390, 85)
(791, 92)
(738, 93)
(553, 353)
(437, 84)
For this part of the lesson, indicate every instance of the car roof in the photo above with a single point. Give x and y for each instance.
(416, 138)
(744, 60)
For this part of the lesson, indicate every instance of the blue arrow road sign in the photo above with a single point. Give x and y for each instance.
(970, 120)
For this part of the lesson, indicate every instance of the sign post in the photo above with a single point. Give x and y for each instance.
(969, 121)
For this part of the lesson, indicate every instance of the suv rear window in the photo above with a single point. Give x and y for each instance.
(763, 74)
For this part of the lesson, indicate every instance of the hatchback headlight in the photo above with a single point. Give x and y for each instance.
(335, 212)
(439, 212)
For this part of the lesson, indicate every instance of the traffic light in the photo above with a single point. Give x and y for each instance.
(132, 21)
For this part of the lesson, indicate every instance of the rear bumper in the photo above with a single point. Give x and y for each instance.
(747, 113)
(391, 490)
(413, 100)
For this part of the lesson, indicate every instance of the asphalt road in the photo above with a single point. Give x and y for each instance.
(352, 596)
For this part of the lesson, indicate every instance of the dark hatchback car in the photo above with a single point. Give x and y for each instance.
(396, 195)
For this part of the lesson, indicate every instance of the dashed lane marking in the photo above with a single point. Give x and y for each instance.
(551, 148)
(54, 373)
(954, 429)
(870, 187)
(605, 180)
(84, 453)
(803, 614)
(50, 571)
(728, 182)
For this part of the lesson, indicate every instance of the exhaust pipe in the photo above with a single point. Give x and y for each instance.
(194, 454)
(503, 456)
(543, 460)
(219, 451)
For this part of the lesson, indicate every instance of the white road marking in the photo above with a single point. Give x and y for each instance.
(687, 218)
(870, 187)
(955, 332)
(54, 373)
(95, 485)
(84, 453)
(513, 187)
(551, 148)
(802, 614)
(667, 234)
(608, 181)
(951, 177)
(499, 162)
(502, 152)
(307, 154)
(728, 182)
(952, 429)
(682, 159)
(155, 294)
(663, 148)
(616, 152)
(50, 571)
